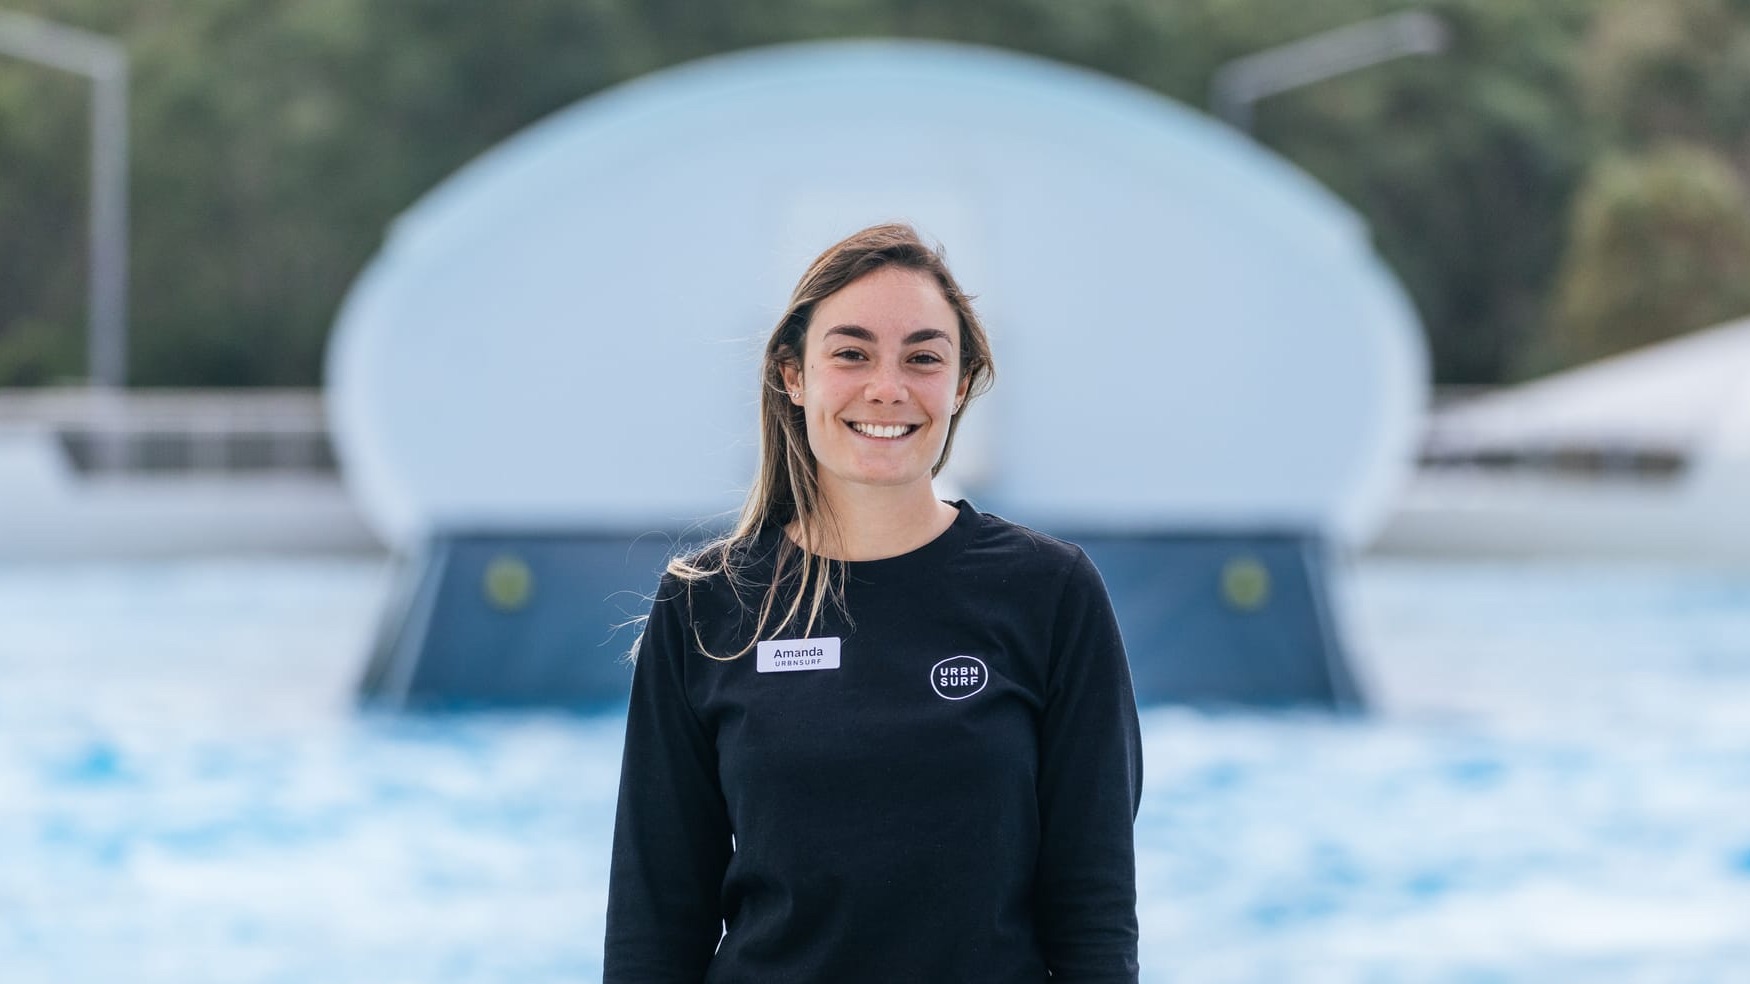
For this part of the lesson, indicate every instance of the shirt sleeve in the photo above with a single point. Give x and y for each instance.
(1090, 786)
(672, 839)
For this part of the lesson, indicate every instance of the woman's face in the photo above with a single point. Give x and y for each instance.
(879, 381)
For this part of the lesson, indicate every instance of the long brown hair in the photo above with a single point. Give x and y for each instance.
(786, 489)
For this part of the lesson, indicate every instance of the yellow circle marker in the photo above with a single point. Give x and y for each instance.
(1245, 584)
(508, 583)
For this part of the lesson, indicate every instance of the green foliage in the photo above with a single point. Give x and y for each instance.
(272, 143)
(275, 139)
(1462, 164)
(1674, 70)
(1659, 234)
(1660, 246)
(42, 223)
(34, 352)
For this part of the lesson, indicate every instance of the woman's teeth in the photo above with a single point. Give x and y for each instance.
(883, 430)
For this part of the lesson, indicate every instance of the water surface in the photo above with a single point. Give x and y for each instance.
(1554, 786)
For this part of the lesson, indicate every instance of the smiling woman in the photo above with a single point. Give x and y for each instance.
(878, 390)
(788, 818)
(875, 302)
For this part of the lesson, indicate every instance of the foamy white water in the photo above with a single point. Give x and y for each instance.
(1554, 786)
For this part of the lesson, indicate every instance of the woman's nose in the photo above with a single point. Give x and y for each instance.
(886, 386)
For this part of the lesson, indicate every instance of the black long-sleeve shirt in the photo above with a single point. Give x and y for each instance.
(941, 789)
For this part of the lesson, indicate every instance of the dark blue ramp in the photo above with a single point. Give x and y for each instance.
(546, 618)
(1213, 618)
(515, 619)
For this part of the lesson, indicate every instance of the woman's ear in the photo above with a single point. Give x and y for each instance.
(792, 381)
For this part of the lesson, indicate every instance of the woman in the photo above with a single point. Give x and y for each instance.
(875, 736)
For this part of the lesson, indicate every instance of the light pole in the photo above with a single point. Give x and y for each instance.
(1240, 83)
(105, 62)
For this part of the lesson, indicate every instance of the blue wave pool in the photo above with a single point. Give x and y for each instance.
(1554, 787)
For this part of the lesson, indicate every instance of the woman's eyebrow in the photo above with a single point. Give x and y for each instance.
(921, 335)
(855, 331)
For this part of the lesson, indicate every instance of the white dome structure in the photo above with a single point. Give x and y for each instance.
(1189, 333)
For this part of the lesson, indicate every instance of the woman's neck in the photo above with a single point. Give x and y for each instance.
(875, 523)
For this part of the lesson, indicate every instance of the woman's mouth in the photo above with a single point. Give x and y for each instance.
(886, 432)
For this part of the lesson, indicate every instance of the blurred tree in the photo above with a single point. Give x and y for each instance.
(1676, 70)
(1660, 245)
(44, 143)
(1659, 238)
(275, 139)
(284, 136)
(1463, 164)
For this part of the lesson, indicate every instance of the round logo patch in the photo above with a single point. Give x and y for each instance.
(959, 677)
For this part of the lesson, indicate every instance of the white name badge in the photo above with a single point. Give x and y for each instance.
(792, 655)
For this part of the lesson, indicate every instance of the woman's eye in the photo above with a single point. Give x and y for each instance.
(851, 354)
(927, 358)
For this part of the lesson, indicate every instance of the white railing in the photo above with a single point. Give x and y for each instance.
(178, 431)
